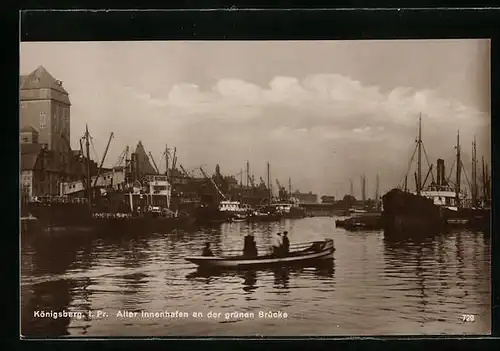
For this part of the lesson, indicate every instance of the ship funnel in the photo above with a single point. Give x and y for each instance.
(441, 179)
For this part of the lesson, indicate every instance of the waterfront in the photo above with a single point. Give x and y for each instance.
(374, 286)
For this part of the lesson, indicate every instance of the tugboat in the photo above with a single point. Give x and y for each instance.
(289, 209)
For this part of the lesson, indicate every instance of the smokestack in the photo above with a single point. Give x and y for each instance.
(441, 177)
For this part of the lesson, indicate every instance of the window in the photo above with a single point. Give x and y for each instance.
(55, 121)
(25, 139)
(42, 120)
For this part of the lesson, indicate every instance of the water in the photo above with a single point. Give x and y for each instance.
(373, 287)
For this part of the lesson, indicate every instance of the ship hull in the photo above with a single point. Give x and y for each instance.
(55, 216)
(409, 215)
(473, 218)
(207, 215)
(80, 217)
(139, 224)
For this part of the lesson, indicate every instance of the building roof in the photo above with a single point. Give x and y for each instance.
(143, 163)
(41, 78)
(28, 129)
(30, 148)
(28, 162)
(29, 155)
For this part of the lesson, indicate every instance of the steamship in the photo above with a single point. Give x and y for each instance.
(123, 198)
(431, 209)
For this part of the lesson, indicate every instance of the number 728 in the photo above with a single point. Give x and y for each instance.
(468, 318)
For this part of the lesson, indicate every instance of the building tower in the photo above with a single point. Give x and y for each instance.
(45, 107)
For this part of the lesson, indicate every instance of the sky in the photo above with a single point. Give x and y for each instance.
(320, 112)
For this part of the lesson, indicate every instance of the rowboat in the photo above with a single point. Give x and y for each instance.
(299, 254)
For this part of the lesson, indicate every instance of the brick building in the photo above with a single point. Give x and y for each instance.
(44, 136)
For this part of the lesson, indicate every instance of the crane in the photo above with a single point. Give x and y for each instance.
(251, 180)
(237, 174)
(213, 183)
(185, 172)
(262, 182)
(122, 157)
(281, 190)
(279, 185)
(102, 161)
(174, 158)
(154, 163)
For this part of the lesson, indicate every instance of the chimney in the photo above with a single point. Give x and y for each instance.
(441, 178)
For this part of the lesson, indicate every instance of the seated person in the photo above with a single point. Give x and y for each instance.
(276, 245)
(285, 248)
(249, 248)
(207, 251)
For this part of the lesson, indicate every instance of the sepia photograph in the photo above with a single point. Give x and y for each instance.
(255, 188)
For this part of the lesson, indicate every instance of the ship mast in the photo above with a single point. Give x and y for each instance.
(474, 174)
(484, 181)
(419, 156)
(87, 150)
(248, 174)
(459, 172)
(363, 187)
(289, 188)
(269, 182)
(166, 162)
(376, 190)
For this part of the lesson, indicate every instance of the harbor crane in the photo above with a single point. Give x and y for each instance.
(185, 172)
(154, 163)
(240, 174)
(102, 160)
(281, 190)
(262, 182)
(174, 158)
(213, 183)
(123, 157)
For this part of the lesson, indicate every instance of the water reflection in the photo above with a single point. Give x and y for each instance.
(281, 279)
(440, 271)
(40, 299)
(250, 281)
(373, 286)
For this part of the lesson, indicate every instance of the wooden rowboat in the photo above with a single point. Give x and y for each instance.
(318, 250)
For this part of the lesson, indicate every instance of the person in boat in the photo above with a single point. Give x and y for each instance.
(207, 251)
(286, 243)
(276, 244)
(249, 246)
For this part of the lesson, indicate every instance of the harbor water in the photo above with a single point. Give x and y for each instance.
(80, 284)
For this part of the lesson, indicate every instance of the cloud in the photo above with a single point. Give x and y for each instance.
(301, 121)
(323, 99)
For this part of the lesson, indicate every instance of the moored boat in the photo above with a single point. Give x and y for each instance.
(367, 221)
(300, 253)
(238, 217)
